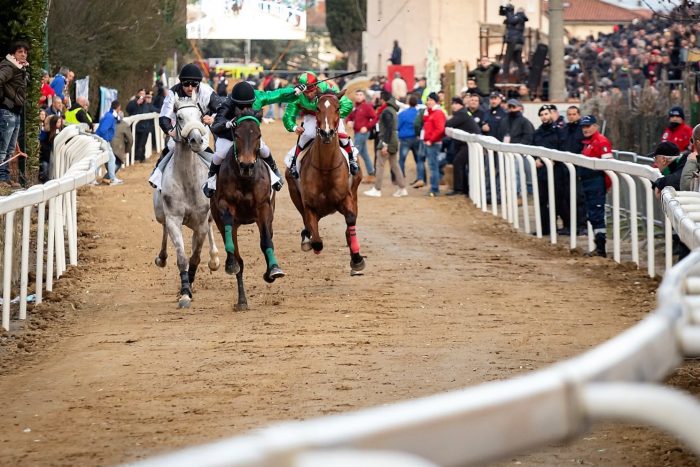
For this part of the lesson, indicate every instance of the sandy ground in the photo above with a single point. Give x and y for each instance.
(108, 370)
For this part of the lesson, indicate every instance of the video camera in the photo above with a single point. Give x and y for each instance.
(503, 10)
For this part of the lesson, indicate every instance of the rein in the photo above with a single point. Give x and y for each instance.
(235, 147)
(188, 126)
(318, 136)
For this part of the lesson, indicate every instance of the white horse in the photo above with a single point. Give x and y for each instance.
(181, 201)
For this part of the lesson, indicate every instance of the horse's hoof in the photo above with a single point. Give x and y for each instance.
(305, 240)
(317, 246)
(357, 266)
(214, 264)
(274, 273)
(317, 252)
(356, 273)
(240, 307)
(233, 269)
(184, 302)
(161, 262)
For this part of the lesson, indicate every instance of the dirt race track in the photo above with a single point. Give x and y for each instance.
(107, 370)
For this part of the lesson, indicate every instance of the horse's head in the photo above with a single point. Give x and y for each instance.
(246, 143)
(328, 115)
(189, 126)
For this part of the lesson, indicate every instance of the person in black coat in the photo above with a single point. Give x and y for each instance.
(395, 54)
(493, 117)
(570, 140)
(514, 39)
(461, 120)
(546, 136)
(515, 128)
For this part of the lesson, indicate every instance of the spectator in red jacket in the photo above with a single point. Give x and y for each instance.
(47, 91)
(677, 132)
(362, 119)
(434, 120)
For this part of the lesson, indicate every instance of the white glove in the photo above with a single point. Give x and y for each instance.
(299, 88)
(229, 124)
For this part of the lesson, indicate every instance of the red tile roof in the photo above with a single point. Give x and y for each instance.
(596, 11)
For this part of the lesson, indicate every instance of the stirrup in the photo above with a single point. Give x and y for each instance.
(207, 190)
(354, 168)
(293, 168)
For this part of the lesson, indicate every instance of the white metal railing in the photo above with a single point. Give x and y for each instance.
(133, 120)
(77, 155)
(507, 156)
(493, 420)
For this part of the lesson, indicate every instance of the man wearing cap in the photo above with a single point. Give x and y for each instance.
(460, 120)
(557, 119)
(677, 131)
(492, 119)
(596, 146)
(669, 160)
(516, 129)
(433, 130)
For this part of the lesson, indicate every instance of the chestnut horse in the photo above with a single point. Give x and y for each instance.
(325, 186)
(244, 195)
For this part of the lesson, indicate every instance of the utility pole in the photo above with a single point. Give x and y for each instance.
(557, 85)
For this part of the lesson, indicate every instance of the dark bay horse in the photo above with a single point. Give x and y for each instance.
(244, 195)
(325, 186)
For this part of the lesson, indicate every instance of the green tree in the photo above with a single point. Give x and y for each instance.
(118, 44)
(26, 21)
(346, 19)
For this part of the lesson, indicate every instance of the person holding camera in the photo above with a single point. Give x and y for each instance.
(514, 38)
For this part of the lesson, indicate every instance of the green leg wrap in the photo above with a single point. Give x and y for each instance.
(230, 248)
(270, 256)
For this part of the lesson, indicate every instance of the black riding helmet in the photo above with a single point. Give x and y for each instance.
(190, 72)
(243, 94)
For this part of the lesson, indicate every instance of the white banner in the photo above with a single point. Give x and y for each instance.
(82, 87)
(107, 96)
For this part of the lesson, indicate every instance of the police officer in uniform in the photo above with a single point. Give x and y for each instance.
(593, 181)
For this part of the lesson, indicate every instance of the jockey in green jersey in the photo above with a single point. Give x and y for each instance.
(305, 104)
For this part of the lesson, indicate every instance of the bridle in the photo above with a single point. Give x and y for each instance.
(236, 124)
(179, 129)
(326, 136)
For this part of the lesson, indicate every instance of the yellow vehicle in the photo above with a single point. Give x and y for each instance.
(238, 70)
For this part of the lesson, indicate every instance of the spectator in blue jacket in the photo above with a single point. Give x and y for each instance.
(58, 84)
(408, 140)
(108, 125)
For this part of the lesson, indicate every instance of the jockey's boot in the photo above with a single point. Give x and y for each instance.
(347, 147)
(208, 188)
(163, 153)
(269, 160)
(600, 244)
(293, 167)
